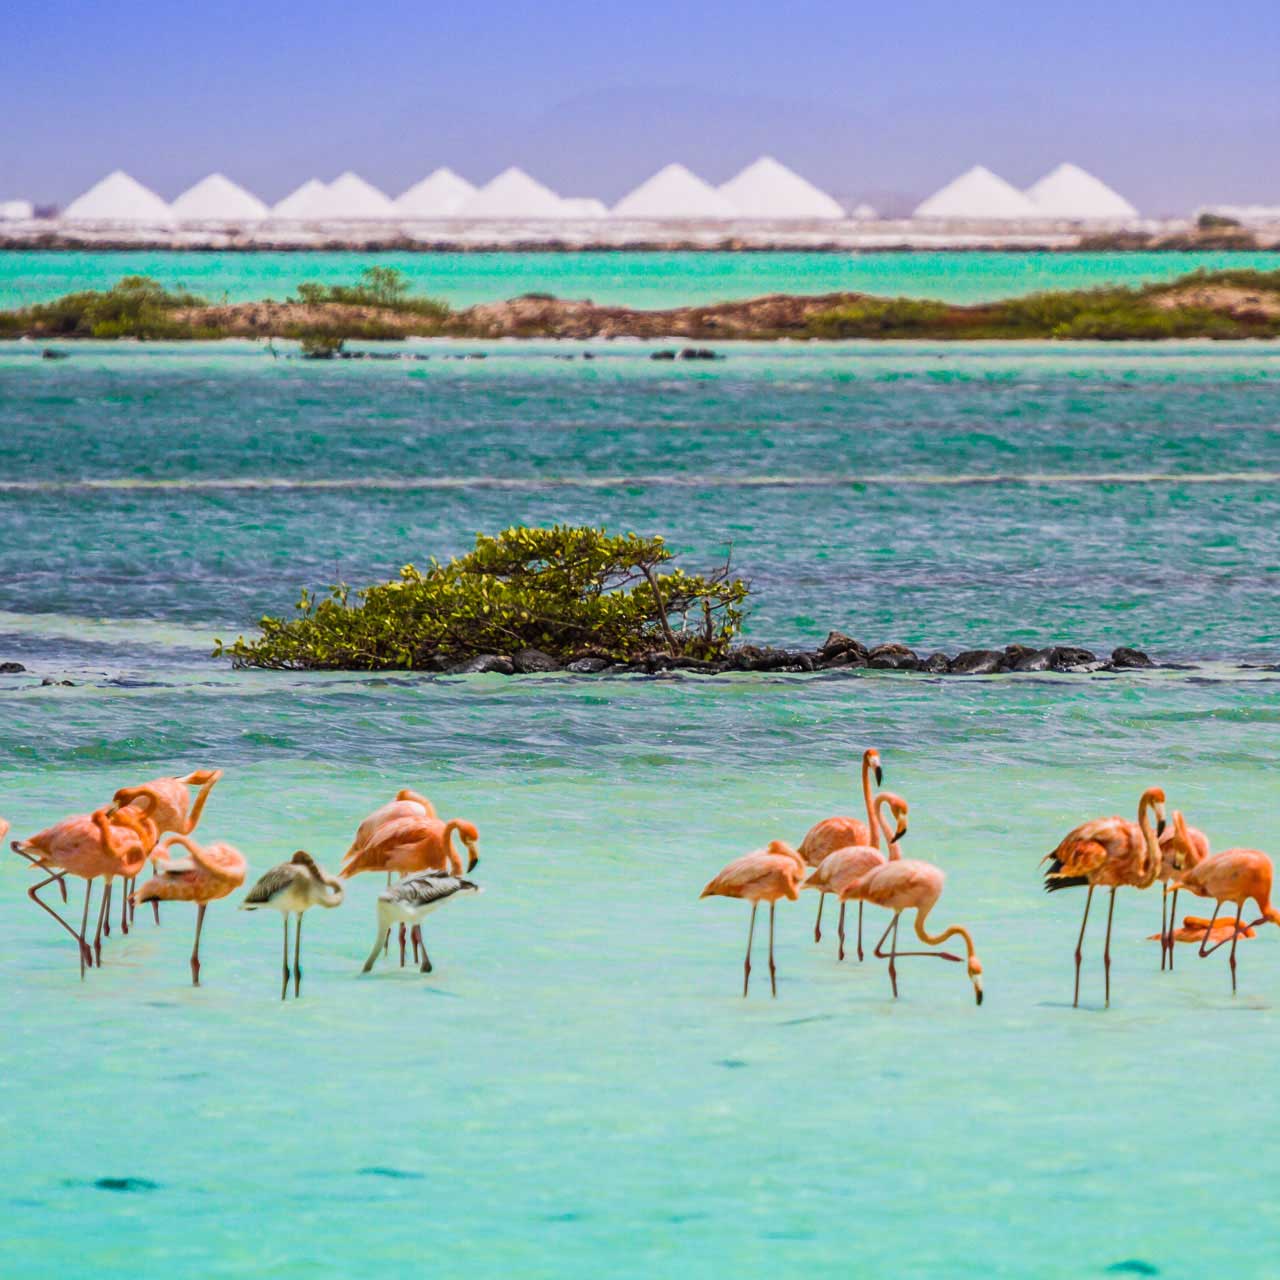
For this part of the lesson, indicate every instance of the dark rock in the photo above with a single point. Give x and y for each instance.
(11, 668)
(837, 643)
(1124, 659)
(662, 355)
(1014, 654)
(484, 664)
(936, 663)
(774, 660)
(50, 354)
(977, 662)
(66, 684)
(850, 658)
(528, 661)
(699, 353)
(892, 657)
(1068, 657)
(587, 666)
(1040, 660)
(125, 1184)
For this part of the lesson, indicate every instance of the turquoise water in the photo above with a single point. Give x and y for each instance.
(630, 279)
(578, 1089)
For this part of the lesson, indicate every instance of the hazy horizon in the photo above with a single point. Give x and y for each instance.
(869, 105)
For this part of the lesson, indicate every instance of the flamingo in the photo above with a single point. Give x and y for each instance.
(1234, 875)
(1181, 847)
(842, 868)
(765, 875)
(91, 846)
(910, 883)
(294, 886)
(839, 833)
(1196, 928)
(409, 900)
(165, 801)
(1108, 852)
(212, 872)
(412, 843)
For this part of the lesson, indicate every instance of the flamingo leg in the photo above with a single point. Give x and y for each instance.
(1208, 933)
(104, 920)
(881, 954)
(386, 941)
(155, 909)
(859, 932)
(746, 968)
(1165, 932)
(102, 915)
(195, 950)
(284, 990)
(426, 966)
(59, 876)
(124, 906)
(1106, 952)
(1075, 1003)
(403, 937)
(34, 894)
(379, 942)
(1235, 938)
(840, 954)
(84, 925)
(1173, 924)
(773, 970)
(297, 947)
(817, 924)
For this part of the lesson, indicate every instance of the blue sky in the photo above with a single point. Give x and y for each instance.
(1175, 104)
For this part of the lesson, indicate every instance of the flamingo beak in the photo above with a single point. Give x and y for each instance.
(473, 858)
(1161, 824)
(879, 775)
(900, 834)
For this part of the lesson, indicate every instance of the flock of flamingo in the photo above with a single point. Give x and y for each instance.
(839, 856)
(143, 824)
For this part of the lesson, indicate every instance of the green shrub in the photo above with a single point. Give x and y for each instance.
(568, 591)
(382, 287)
(136, 307)
(880, 318)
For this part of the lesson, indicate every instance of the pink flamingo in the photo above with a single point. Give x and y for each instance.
(840, 870)
(407, 804)
(1234, 875)
(1181, 847)
(839, 833)
(1197, 928)
(1111, 853)
(764, 875)
(212, 872)
(90, 846)
(409, 844)
(167, 802)
(901, 886)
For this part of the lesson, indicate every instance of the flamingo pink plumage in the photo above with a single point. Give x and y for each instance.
(1181, 848)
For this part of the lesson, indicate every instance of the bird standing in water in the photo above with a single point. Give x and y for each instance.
(765, 875)
(212, 872)
(409, 900)
(294, 887)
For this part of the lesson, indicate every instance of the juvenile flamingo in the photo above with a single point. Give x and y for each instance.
(1234, 875)
(839, 833)
(294, 886)
(1181, 847)
(841, 869)
(410, 844)
(408, 901)
(212, 872)
(167, 802)
(90, 846)
(1108, 853)
(764, 875)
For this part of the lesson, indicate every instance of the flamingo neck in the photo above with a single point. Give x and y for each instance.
(952, 931)
(873, 824)
(895, 853)
(1155, 859)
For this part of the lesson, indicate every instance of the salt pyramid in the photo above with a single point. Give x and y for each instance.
(437, 196)
(218, 199)
(512, 194)
(350, 198)
(301, 203)
(583, 207)
(118, 198)
(16, 210)
(978, 195)
(674, 192)
(1071, 193)
(767, 189)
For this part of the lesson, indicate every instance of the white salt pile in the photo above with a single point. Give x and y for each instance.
(978, 196)
(1072, 194)
(119, 199)
(674, 192)
(218, 199)
(769, 190)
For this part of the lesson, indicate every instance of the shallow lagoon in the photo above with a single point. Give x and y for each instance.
(579, 1088)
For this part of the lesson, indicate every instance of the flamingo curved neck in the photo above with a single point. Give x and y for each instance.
(895, 853)
(1155, 859)
(873, 824)
(952, 931)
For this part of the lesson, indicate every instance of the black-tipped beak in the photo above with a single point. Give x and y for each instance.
(1160, 826)
(879, 776)
(978, 993)
(900, 834)
(475, 857)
